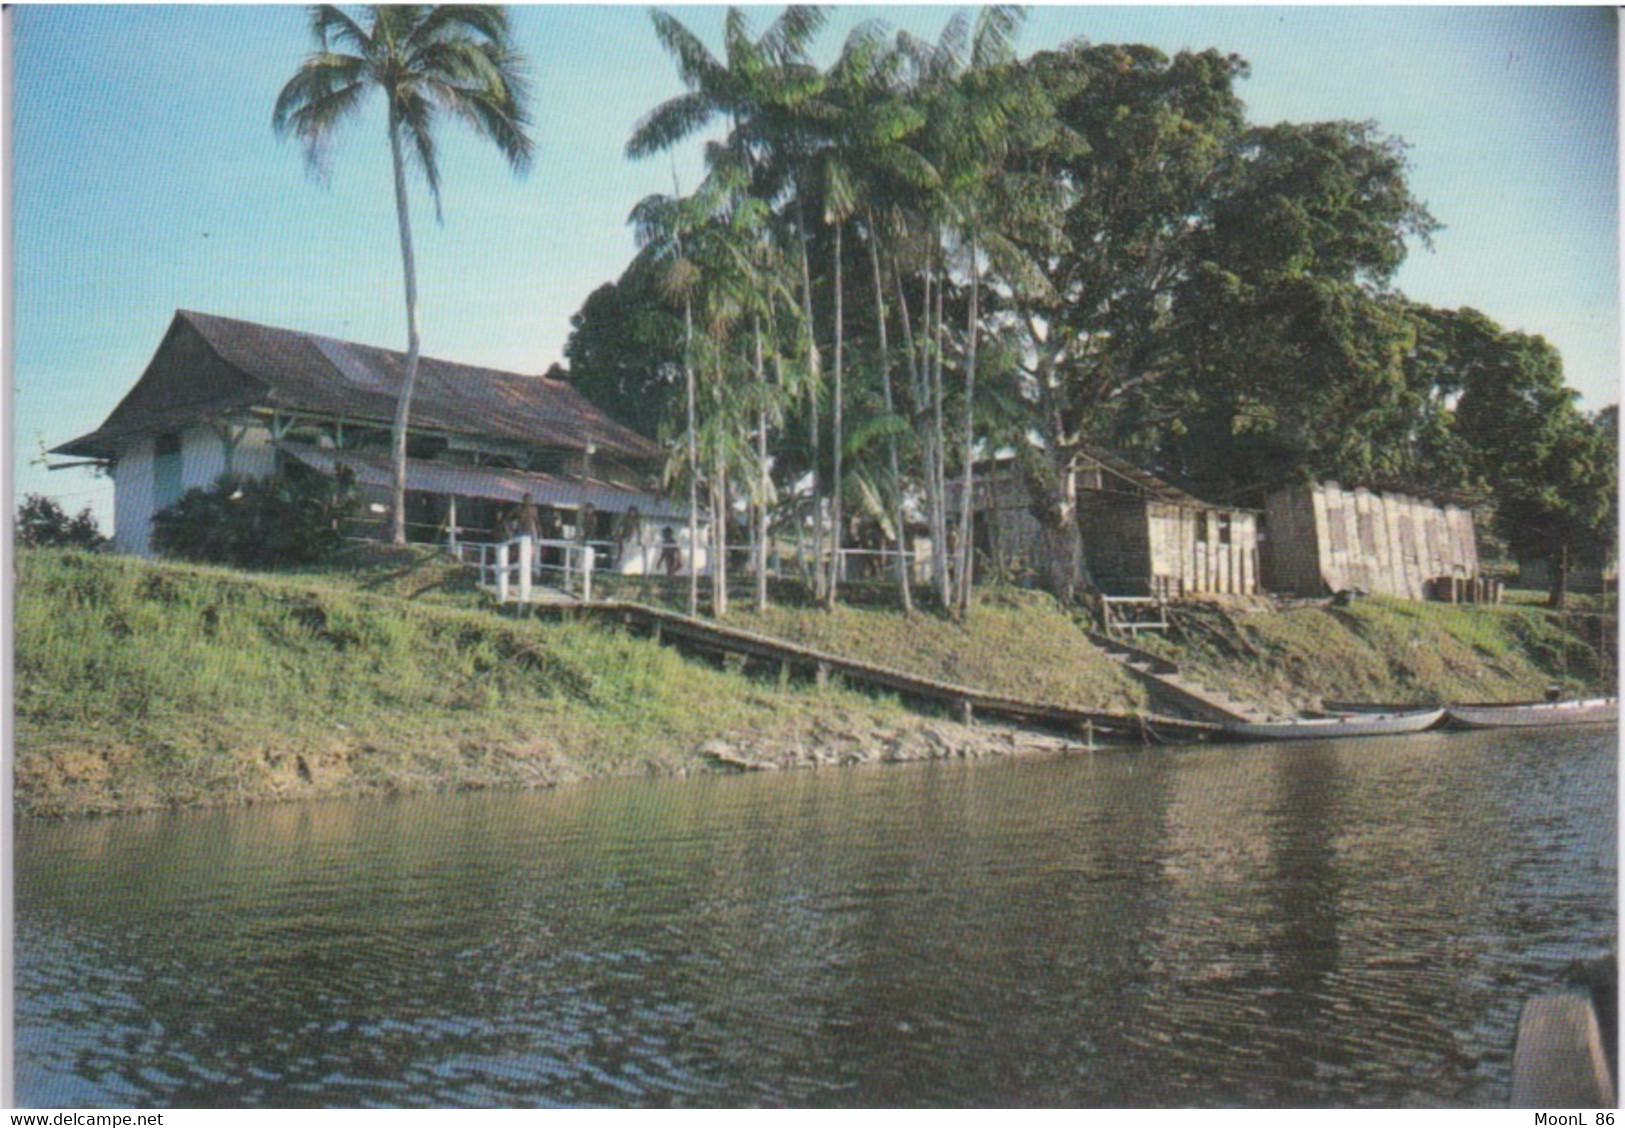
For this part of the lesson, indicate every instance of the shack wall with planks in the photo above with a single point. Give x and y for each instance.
(1322, 538)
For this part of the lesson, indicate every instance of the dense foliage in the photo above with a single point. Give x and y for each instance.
(295, 517)
(1088, 246)
(43, 523)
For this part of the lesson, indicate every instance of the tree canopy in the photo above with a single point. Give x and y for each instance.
(1091, 245)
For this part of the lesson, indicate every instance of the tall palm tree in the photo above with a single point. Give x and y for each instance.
(662, 224)
(760, 88)
(427, 61)
(867, 163)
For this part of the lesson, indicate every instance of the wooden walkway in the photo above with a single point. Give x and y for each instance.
(966, 702)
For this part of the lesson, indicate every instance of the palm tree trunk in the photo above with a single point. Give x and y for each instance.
(813, 381)
(719, 513)
(939, 445)
(835, 494)
(966, 553)
(409, 378)
(891, 440)
(719, 541)
(762, 484)
(693, 463)
(933, 485)
(916, 385)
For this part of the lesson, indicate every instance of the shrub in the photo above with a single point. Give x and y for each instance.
(43, 523)
(294, 517)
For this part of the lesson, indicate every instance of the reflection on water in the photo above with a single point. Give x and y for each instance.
(1336, 923)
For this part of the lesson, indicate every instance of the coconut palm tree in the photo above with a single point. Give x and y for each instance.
(426, 61)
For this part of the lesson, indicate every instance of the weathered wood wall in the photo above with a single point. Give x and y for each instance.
(1133, 546)
(1323, 538)
(1203, 551)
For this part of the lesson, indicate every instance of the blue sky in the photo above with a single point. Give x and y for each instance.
(145, 178)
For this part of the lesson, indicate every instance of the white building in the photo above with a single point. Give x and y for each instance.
(222, 395)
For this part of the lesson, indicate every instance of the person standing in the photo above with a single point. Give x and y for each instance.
(627, 533)
(670, 559)
(529, 520)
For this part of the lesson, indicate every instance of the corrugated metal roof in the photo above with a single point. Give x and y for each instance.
(302, 372)
(489, 482)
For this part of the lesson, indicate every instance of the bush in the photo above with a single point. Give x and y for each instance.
(42, 523)
(292, 518)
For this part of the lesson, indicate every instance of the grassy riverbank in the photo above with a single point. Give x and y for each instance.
(142, 685)
(1381, 649)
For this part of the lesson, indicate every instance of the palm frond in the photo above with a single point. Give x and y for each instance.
(786, 40)
(696, 66)
(670, 122)
(331, 25)
(489, 22)
(996, 29)
(324, 92)
(948, 57)
(416, 116)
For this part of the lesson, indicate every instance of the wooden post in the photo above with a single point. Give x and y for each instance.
(821, 677)
(967, 715)
(587, 553)
(502, 572)
(527, 554)
(451, 521)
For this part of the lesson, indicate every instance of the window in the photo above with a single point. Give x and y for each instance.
(166, 470)
(1224, 528)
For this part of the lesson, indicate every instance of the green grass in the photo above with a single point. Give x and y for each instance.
(1381, 649)
(1016, 643)
(142, 684)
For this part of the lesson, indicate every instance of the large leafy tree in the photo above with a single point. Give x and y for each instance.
(1291, 351)
(1552, 469)
(1106, 242)
(625, 348)
(427, 62)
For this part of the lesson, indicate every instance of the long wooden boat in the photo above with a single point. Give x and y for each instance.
(1335, 728)
(1536, 714)
(1338, 708)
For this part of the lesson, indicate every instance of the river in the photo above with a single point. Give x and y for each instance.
(1336, 923)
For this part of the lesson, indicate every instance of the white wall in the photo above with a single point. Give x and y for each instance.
(643, 556)
(203, 459)
(132, 498)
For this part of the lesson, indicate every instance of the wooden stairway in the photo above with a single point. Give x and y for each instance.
(1172, 690)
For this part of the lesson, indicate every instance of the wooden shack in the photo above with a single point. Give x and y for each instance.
(1321, 539)
(1141, 535)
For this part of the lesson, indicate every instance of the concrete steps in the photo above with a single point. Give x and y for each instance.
(1171, 689)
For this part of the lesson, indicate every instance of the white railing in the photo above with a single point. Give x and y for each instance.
(512, 567)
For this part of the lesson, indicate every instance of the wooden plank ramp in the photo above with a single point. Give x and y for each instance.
(966, 702)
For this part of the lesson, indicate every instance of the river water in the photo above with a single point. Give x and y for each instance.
(1338, 923)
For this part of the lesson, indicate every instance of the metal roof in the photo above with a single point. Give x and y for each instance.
(207, 366)
(488, 482)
